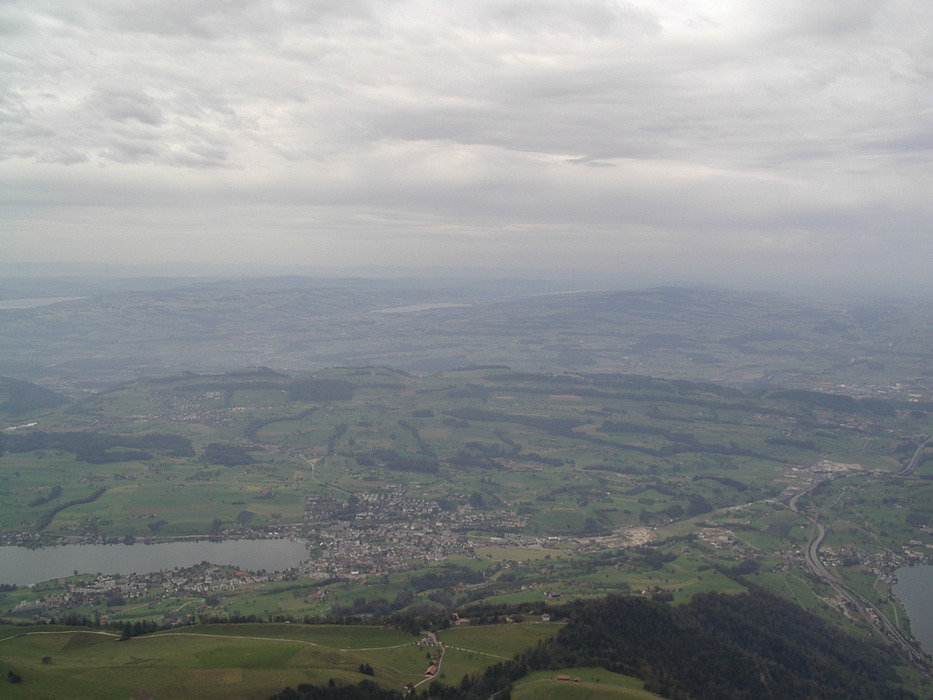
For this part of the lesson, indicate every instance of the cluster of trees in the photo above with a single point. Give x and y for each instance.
(416, 434)
(724, 480)
(228, 386)
(541, 459)
(364, 690)
(836, 402)
(320, 390)
(680, 442)
(54, 493)
(619, 427)
(339, 430)
(484, 455)
(226, 455)
(134, 629)
(46, 518)
(470, 391)
(724, 646)
(495, 681)
(25, 397)
(551, 426)
(469, 460)
(585, 385)
(446, 576)
(98, 448)
(790, 442)
(392, 459)
(696, 505)
(378, 607)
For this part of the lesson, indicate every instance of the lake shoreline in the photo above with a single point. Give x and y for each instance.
(27, 566)
(911, 588)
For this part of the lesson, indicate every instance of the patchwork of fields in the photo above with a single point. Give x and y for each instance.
(461, 492)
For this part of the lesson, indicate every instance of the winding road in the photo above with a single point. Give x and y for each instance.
(875, 617)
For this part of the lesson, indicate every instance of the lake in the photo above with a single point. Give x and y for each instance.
(913, 587)
(32, 303)
(22, 566)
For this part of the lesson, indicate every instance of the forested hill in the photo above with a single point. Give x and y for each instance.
(722, 647)
(20, 398)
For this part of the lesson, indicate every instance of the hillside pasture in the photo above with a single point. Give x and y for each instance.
(242, 662)
(593, 683)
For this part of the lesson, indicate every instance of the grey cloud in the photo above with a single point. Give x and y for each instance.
(204, 19)
(213, 20)
(65, 156)
(131, 150)
(833, 18)
(125, 103)
(590, 162)
(787, 124)
(599, 17)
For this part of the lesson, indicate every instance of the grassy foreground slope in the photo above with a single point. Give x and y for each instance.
(221, 661)
(584, 683)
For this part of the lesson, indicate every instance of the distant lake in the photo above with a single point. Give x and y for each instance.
(418, 307)
(913, 589)
(22, 566)
(33, 302)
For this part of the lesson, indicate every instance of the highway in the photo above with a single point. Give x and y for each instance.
(915, 459)
(872, 614)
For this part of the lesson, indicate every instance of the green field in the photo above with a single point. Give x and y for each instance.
(241, 661)
(571, 456)
(248, 661)
(584, 683)
(425, 495)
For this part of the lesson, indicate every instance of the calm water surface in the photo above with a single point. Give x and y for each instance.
(32, 303)
(914, 589)
(22, 566)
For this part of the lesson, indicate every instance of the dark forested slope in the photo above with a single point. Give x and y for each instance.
(719, 646)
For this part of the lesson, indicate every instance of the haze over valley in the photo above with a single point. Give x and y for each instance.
(448, 449)
(532, 349)
(119, 328)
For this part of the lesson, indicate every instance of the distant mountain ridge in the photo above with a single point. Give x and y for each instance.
(19, 398)
(302, 324)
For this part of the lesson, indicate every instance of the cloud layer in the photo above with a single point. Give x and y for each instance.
(688, 139)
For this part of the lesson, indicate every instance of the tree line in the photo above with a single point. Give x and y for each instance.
(98, 448)
(717, 647)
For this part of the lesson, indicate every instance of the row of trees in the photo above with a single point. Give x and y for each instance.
(98, 448)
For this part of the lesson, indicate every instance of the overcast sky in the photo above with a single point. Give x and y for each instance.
(786, 139)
